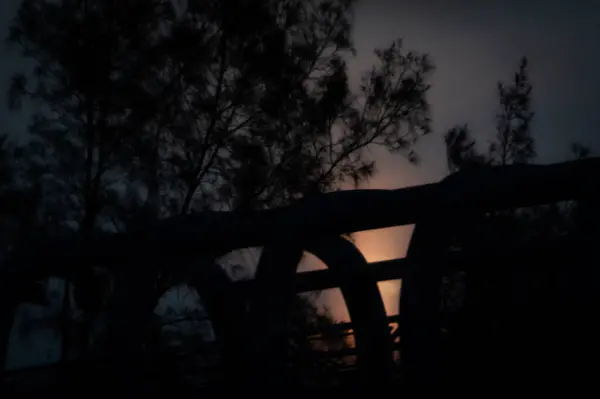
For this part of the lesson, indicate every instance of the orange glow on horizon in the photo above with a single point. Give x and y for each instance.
(375, 245)
(383, 244)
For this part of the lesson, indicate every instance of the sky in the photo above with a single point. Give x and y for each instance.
(474, 43)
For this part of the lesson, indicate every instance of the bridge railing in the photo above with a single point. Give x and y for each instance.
(314, 224)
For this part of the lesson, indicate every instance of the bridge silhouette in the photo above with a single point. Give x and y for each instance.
(250, 317)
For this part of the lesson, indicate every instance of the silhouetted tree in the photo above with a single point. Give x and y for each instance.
(145, 111)
(85, 72)
(504, 309)
(19, 199)
(513, 143)
(460, 149)
(206, 108)
(264, 112)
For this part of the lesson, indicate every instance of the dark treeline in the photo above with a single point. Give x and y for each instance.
(520, 315)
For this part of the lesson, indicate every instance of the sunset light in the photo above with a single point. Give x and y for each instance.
(203, 198)
(376, 246)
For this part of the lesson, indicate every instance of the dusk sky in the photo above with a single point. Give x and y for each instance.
(473, 45)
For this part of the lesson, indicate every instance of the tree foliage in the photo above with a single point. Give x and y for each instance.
(504, 307)
(207, 108)
(146, 111)
(512, 142)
